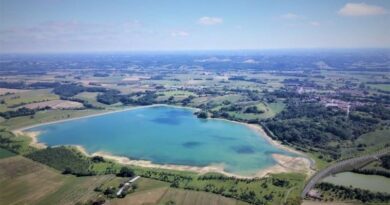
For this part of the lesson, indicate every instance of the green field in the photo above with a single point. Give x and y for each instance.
(29, 97)
(45, 116)
(383, 87)
(26, 182)
(90, 97)
(5, 153)
(376, 139)
(156, 192)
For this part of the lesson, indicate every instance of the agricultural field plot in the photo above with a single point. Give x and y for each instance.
(269, 110)
(5, 153)
(151, 191)
(307, 202)
(187, 197)
(75, 189)
(55, 104)
(383, 87)
(375, 166)
(27, 97)
(46, 116)
(135, 78)
(90, 97)
(231, 98)
(23, 181)
(372, 183)
(376, 139)
(111, 80)
(3, 107)
(150, 197)
(4, 91)
(176, 95)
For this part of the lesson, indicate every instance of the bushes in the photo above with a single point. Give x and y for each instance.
(253, 109)
(68, 90)
(385, 161)
(202, 115)
(125, 172)
(109, 97)
(372, 172)
(64, 159)
(19, 112)
(364, 196)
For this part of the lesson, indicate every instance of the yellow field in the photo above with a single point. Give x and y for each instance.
(54, 104)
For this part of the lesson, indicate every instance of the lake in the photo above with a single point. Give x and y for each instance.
(166, 135)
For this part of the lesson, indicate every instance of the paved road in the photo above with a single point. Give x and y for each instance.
(342, 166)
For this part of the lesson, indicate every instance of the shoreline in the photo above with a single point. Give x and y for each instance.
(98, 114)
(260, 130)
(284, 163)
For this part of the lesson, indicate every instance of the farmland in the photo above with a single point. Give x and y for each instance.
(33, 183)
(324, 106)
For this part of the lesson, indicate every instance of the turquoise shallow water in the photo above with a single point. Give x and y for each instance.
(166, 135)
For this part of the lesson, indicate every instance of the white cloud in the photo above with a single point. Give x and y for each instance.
(206, 20)
(361, 9)
(73, 35)
(315, 23)
(179, 34)
(213, 59)
(290, 16)
(251, 61)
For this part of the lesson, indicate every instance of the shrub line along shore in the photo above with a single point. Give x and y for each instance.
(284, 163)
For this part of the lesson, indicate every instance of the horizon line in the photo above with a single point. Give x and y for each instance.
(193, 50)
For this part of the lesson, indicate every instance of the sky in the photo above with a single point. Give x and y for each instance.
(29, 26)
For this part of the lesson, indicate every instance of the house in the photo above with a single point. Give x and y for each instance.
(126, 185)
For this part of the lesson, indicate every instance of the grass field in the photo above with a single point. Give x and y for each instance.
(5, 153)
(376, 139)
(156, 192)
(3, 107)
(23, 181)
(90, 97)
(270, 110)
(75, 189)
(384, 87)
(26, 182)
(45, 116)
(187, 197)
(29, 97)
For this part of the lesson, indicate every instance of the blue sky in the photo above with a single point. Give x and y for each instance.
(138, 25)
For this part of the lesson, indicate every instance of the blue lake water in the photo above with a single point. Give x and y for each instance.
(166, 135)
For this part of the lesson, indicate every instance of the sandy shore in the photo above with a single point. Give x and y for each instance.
(284, 163)
(33, 136)
(259, 129)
